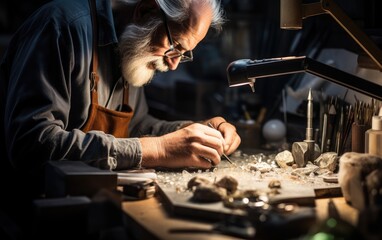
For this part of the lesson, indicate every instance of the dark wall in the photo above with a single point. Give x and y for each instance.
(252, 31)
(14, 12)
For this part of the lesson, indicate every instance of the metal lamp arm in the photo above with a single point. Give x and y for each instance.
(292, 12)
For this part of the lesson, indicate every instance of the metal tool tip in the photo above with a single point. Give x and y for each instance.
(332, 109)
(310, 97)
(252, 87)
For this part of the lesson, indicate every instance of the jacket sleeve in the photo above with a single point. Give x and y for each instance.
(47, 89)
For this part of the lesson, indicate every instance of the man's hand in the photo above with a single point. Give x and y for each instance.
(196, 145)
(231, 138)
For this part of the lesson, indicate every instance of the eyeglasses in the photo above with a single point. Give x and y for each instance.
(174, 52)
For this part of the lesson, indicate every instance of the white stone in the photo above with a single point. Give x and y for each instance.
(284, 159)
(353, 170)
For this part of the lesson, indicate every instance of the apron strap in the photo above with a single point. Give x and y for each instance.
(125, 92)
(94, 63)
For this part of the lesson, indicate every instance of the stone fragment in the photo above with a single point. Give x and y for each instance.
(263, 167)
(209, 193)
(374, 187)
(307, 170)
(196, 181)
(274, 184)
(284, 159)
(354, 171)
(228, 183)
(327, 160)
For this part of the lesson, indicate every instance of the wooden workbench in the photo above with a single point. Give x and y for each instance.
(149, 219)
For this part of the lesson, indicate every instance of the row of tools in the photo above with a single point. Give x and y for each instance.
(343, 125)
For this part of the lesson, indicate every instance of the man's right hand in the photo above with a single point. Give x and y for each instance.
(196, 145)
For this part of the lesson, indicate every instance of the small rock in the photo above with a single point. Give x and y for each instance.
(284, 159)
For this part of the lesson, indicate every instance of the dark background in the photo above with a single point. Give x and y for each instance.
(199, 89)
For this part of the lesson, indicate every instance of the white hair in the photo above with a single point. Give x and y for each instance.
(178, 10)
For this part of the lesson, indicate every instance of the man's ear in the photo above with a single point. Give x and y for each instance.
(144, 9)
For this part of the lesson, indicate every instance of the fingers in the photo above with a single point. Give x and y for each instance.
(206, 137)
(207, 154)
(233, 145)
(196, 145)
(214, 139)
(193, 146)
(231, 139)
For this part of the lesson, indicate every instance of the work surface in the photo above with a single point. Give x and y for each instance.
(150, 219)
(172, 210)
(300, 186)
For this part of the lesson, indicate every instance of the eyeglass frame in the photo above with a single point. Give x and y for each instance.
(178, 53)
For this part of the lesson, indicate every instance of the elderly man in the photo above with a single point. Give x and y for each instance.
(71, 88)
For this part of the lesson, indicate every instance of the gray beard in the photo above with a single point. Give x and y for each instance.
(137, 62)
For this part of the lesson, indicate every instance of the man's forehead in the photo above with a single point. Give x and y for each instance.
(200, 19)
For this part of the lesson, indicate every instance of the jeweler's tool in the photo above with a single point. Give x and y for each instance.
(307, 150)
(309, 128)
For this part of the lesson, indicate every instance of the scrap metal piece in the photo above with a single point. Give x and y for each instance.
(140, 188)
(301, 154)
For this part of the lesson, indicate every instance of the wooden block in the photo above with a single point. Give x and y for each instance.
(75, 178)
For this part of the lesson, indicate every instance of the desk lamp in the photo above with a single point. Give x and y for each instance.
(245, 71)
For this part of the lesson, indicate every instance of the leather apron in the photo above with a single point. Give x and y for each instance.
(100, 118)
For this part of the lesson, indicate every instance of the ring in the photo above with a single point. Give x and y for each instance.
(217, 127)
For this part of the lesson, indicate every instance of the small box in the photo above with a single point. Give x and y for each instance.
(76, 178)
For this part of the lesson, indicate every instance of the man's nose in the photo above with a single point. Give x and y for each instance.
(173, 62)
